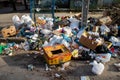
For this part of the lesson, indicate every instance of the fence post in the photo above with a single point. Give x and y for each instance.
(85, 10)
(31, 7)
(53, 7)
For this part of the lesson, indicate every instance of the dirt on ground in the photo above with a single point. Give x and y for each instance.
(15, 67)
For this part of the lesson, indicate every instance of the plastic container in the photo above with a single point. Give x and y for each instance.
(97, 68)
(56, 54)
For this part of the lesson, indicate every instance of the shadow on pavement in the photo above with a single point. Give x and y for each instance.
(24, 59)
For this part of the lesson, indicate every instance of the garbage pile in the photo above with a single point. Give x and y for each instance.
(114, 13)
(64, 39)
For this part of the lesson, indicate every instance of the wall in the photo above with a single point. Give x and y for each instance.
(107, 2)
(77, 4)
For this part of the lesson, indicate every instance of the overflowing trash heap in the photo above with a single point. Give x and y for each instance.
(63, 39)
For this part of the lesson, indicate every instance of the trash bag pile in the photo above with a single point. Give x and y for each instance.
(97, 42)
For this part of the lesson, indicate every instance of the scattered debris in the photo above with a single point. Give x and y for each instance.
(65, 39)
(65, 65)
(117, 65)
(30, 67)
(85, 78)
(57, 75)
(47, 68)
(97, 67)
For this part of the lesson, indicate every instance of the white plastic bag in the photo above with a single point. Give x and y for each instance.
(27, 20)
(25, 46)
(104, 29)
(74, 23)
(103, 57)
(68, 31)
(45, 44)
(49, 25)
(17, 22)
(97, 68)
(15, 18)
(53, 40)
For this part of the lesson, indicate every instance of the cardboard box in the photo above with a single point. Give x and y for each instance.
(40, 21)
(105, 20)
(89, 43)
(95, 29)
(56, 54)
(8, 31)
